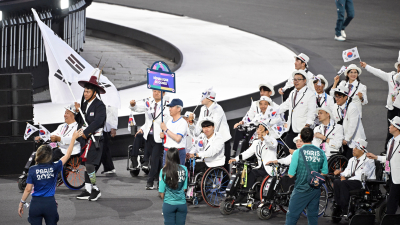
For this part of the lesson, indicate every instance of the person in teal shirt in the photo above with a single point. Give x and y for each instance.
(305, 196)
(172, 186)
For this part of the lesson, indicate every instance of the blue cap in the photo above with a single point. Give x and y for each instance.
(175, 101)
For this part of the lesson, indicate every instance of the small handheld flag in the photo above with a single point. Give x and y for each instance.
(30, 129)
(44, 133)
(351, 54)
(341, 71)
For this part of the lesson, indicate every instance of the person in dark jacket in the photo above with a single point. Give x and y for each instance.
(95, 115)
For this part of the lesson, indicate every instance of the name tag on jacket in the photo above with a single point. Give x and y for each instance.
(91, 113)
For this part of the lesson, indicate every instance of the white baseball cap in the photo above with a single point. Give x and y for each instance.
(303, 57)
(353, 67)
(71, 108)
(321, 77)
(361, 144)
(209, 94)
(326, 109)
(265, 98)
(395, 122)
(342, 89)
(302, 72)
(296, 138)
(269, 86)
(206, 119)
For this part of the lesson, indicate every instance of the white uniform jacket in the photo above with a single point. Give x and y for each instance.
(353, 93)
(395, 160)
(302, 111)
(365, 166)
(112, 118)
(65, 131)
(218, 115)
(212, 150)
(390, 78)
(147, 106)
(286, 161)
(353, 128)
(264, 150)
(335, 135)
(310, 84)
(325, 100)
(255, 110)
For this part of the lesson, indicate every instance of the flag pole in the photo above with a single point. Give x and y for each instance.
(162, 116)
(36, 17)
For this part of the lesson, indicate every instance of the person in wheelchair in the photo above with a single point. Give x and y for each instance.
(350, 178)
(327, 135)
(288, 159)
(210, 147)
(63, 134)
(265, 150)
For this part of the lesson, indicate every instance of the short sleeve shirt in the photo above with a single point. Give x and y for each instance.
(44, 178)
(316, 160)
(175, 196)
(178, 127)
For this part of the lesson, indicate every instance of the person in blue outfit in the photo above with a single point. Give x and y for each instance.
(42, 179)
(173, 183)
(343, 6)
(304, 196)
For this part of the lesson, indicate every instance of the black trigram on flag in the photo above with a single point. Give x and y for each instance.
(59, 76)
(104, 85)
(75, 64)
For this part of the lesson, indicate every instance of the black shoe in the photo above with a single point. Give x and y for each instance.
(84, 195)
(96, 194)
(336, 211)
(145, 165)
(150, 186)
(135, 163)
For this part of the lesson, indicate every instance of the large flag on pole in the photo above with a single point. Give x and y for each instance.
(66, 67)
(29, 130)
(350, 54)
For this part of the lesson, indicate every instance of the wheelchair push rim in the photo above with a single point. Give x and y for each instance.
(323, 202)
(213, 186)
(73, 173)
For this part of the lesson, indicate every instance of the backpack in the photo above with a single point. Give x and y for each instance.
(314, 179)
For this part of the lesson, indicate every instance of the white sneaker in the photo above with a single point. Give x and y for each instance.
(110, 172)
(340, 38)
(343, 33)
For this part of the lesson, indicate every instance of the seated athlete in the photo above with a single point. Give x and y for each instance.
(63, 135)
(288, 159)
(350, 178)
(265, 150)
(209, 147)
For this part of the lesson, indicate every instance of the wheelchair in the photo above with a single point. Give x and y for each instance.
(276, 191)
(135, 171)
(337, 161)
(236, 190)
(129, 167)
(209, 186)
(72, 174)
(368, 202)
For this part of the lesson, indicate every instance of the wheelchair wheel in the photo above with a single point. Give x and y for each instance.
(381, 211)
(213, 186)
(134, 173)
(226, 206)
(265, 212)
(323, 201)
(335, 162)
(22, 182)
(73, 173)
(280, 153)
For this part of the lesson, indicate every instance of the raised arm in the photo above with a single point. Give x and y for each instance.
(76, 134)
